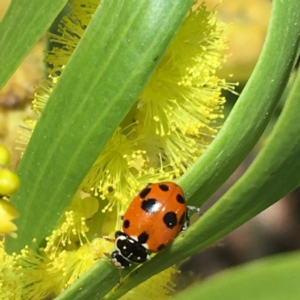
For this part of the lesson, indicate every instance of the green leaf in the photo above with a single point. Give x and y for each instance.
(23, 25)
(102, 80)
(265, 279)
(254, 108)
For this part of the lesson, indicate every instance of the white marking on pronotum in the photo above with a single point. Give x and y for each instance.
(134, 238)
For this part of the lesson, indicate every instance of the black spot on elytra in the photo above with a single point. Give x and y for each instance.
(161, 247)
(170, 219)
(151, 206)
(143, 237)
(180, 198)
(145, 192)
(182, 219)
(126, 224)
(164, 187)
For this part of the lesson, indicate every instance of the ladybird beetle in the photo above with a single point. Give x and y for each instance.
(152, 221)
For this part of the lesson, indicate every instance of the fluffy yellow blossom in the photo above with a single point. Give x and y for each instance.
(61, 270)
(73, 228)
(10, 276)
(7, 214)
(174, 119)
(157, 287)
(9, 184)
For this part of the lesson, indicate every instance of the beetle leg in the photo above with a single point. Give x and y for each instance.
(187, 216)
(108, 238)
(194, 208)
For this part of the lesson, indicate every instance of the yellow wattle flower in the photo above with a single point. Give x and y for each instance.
(175, 118)
(7, 214)
(73, 228)
(9, 184)
(10, 276)
(159, 287)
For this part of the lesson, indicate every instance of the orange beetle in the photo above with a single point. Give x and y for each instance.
(154, 218)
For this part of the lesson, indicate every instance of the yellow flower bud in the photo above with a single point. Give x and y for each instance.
(4, 156)
(9, 182)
